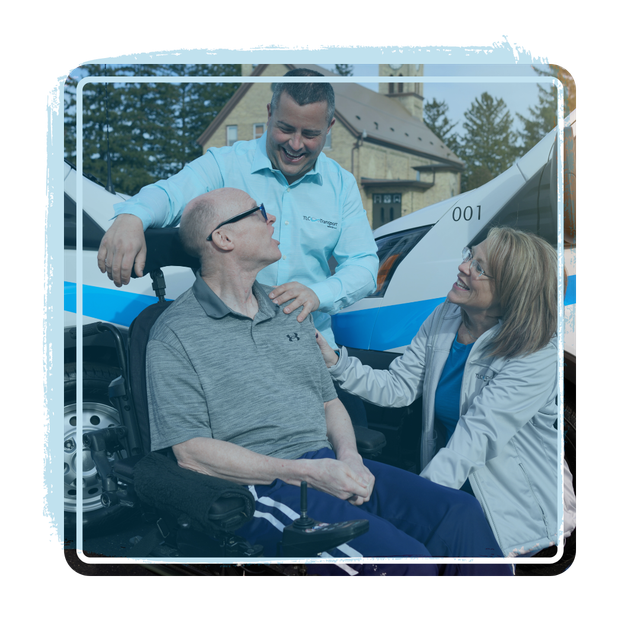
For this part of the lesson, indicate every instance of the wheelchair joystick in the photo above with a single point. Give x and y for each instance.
(303, 522)
(306, 537)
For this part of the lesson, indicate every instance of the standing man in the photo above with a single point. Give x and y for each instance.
(317, 204)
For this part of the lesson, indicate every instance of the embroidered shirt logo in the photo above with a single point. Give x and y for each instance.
(485, 378)
(327, 223)
(293, 337)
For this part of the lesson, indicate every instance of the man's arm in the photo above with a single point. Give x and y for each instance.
(123, 247)
(157, 205)
(343, 440)
(237, 464)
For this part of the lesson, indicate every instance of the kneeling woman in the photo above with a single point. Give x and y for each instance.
(485, 362)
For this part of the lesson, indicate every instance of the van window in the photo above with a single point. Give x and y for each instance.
(392, 250)
(530, 209)
(91, 230)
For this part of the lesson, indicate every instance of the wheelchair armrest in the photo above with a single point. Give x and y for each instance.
(370, 443)
(212, 504)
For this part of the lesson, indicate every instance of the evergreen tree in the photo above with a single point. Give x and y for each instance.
(435, 117)
(149, 128)
(543, 117)
(489, 144)
(344, 69)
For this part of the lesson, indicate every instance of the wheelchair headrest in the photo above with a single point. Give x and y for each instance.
(164, 249)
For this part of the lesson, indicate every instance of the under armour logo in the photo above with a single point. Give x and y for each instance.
(293, 337)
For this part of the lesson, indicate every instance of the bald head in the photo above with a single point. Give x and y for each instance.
(204, 213)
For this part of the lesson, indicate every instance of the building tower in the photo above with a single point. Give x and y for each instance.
(402, 87)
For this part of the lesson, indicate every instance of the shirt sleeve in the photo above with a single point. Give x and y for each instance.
(396, 387)
(161, 204)
(356, 256)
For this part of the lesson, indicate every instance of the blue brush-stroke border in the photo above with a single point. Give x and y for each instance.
(500, 54)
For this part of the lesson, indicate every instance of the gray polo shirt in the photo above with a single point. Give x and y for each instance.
(259, 383)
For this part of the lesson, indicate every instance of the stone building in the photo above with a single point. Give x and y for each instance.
(380, 137)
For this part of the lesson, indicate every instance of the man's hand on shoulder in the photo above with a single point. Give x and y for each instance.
(122, 247)
(296, 295)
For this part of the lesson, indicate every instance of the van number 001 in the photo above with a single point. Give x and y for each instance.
(464, 214)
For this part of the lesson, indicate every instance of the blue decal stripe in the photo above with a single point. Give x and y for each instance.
(398, 325)
(119, 307)
(354, 328)
(395, 326)
(382, 328)
(570, 295)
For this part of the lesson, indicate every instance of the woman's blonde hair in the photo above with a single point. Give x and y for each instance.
(524, 268)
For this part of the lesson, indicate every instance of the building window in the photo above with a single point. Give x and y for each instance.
(259, 129)
(386, 207)
(387, 198)
(232, 134)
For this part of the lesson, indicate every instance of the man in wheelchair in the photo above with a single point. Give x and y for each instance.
(238, 390)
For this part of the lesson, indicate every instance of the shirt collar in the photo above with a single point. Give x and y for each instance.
(215, 308)
(261, 162)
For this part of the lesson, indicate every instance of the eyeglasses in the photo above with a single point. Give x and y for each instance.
(239, 217)
(468, 255)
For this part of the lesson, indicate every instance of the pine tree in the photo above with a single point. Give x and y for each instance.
(543, 117)
(489, 144)
(149, 129)
(344, 69)
(435, 117)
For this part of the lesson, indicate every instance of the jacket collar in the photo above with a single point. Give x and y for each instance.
(452, 313)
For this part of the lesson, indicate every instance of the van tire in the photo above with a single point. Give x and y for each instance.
(98, 413)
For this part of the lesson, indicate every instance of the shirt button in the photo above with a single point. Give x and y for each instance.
(288, 189)
(286, 222)
(284, 257)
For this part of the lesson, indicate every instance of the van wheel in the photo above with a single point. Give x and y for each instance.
(97, 413)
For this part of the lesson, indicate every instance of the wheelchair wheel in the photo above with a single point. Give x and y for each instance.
(97, 413)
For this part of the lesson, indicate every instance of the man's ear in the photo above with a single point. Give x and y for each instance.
(221, 240)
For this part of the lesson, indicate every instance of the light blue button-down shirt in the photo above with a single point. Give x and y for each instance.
(318, 216)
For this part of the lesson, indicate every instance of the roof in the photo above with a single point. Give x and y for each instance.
(372, 115)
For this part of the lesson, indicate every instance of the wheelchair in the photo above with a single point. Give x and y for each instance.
(193, 515)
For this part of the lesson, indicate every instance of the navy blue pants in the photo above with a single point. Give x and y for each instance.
(408, 515)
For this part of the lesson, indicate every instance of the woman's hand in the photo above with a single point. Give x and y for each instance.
(329, 355)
